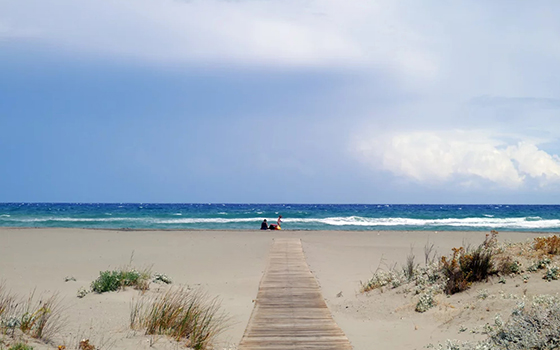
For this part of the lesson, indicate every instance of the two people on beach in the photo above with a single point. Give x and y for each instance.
(277, 226)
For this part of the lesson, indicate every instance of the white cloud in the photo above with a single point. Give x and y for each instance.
(428, 46)
(431, 157)
(535, 163)
(318, 34)
(174, 31)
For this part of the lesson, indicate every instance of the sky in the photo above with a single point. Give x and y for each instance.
(280, 101)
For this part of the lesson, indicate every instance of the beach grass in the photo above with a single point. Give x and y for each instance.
(39, 317)
(181, 313)
(465, 266)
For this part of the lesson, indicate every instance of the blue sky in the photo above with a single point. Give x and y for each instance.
(280, 101)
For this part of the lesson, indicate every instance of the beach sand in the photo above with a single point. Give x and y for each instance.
(229, 265)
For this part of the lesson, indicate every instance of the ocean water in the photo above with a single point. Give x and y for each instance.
(295, 216)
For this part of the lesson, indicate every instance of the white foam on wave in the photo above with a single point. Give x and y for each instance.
(520, 223)
(487, 221)
(74, 219)
(5, 216)
(206, 220)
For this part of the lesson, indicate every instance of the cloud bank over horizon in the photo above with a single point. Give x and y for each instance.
(469, 157)
(361, 96)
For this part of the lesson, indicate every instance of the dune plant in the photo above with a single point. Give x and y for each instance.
(539, 264)
(552, 273)
(110, 281)
(534, 326)
(8, 302)
(425, 302)
(451, 275)
(20, 346)
(457, 279)
(39, 318)
(547, 245)
(467, 266)
(410, 266)
(506, 265)
(182, 314)
(43, 318)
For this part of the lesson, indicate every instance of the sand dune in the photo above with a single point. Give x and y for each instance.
(229, 265)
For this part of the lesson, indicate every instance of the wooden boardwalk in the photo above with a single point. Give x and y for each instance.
(290, 312)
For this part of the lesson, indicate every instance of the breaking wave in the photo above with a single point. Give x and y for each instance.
(490, 222)
(529, 222)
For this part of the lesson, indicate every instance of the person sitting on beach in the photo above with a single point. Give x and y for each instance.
(264, 225)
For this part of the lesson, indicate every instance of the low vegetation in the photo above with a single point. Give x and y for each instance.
(547, 245)
(532, 326)
(119, 279)
(37, 317)
(467, 265)
(183, 314)
(16, 346)
(111, 281)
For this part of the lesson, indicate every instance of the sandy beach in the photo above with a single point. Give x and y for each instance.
(229, 265)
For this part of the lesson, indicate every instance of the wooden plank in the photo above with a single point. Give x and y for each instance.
(290, 312)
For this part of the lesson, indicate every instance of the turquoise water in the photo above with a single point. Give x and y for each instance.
(295, 216)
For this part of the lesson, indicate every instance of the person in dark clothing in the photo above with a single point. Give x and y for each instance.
(264, 225)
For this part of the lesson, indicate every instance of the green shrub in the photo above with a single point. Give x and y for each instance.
(20, 346)
(539, 264)
(110, 281)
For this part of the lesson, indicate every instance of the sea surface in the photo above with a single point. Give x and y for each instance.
(295, 216)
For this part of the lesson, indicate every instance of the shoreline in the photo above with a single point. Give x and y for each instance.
(258, 230)
(228, 264)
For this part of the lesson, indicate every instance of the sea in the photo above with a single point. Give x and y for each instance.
(218, 216)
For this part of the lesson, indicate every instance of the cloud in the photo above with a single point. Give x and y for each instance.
(427, 47)
(312, 34)
(467, 157)
(516, 102)
(535, 163)
(175, 31)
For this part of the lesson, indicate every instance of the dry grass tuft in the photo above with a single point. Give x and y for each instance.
(182, 314)
(467, 266)
(8, 302)
(39, 318)
(42, 318)
(547, 245)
